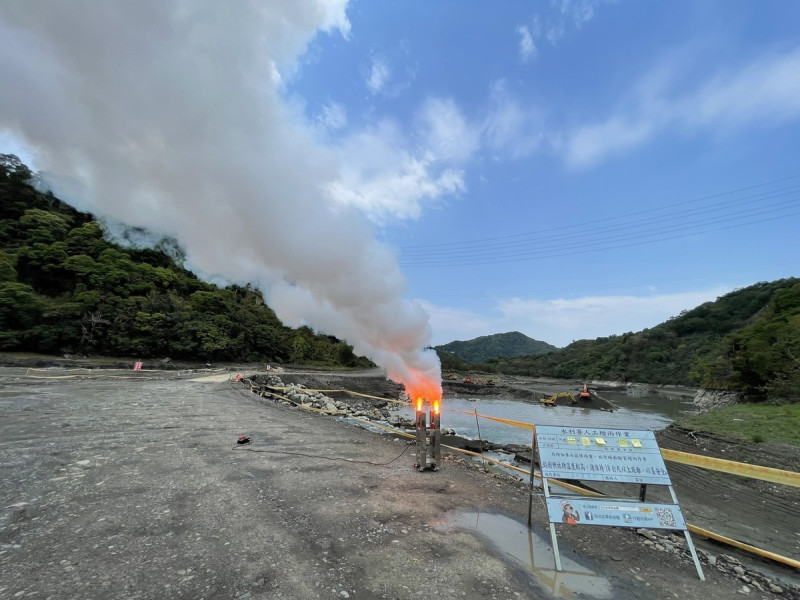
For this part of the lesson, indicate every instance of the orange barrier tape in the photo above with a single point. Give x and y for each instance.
(287, 387)
(520, 424)
(705, 462)
(711, 535)
(319, 410)
(742, 546)
(716, 464)
(527, 472)
(735, 468)
(488, 459)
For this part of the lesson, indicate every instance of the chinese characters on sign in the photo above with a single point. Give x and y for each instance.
(591, 454)
(615, 513)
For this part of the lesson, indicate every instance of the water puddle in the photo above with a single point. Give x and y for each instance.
(532, 552)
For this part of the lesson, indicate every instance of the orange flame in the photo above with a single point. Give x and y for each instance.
(424, 388)
(436, 407)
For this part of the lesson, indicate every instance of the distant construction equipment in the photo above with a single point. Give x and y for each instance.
(551, 400)
(584, 394)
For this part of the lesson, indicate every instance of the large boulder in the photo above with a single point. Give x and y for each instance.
(706, 399)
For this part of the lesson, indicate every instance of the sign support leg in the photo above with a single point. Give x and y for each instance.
(530, 483)
(689, 541)
(694, 555)
(553, 537)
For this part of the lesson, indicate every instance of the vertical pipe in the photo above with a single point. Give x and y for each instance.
(480, 441)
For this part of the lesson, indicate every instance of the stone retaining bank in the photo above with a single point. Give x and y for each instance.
(724, 563)
(706, 399)
(299, 395)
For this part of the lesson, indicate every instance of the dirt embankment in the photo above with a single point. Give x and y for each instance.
(755, 512)
(563, 392)
(760, 513)
(128, 488)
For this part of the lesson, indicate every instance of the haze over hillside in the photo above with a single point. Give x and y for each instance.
(512, 343)
(64, 288)
(746, 341)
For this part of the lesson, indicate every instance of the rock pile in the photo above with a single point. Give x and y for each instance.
(706, 399)
(297, 394)
(729, 565)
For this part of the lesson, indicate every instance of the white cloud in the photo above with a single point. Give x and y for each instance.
(767, 89)
(390, 174)
(386, 177)
(332, 117)
(11, 144)
(335, 16)
(562, 17)
(764, 92)
(591, 143)
(445, 132)
(509, 127)
(450, 324)
(527, 47)
(577, 12)
(561, 321)
(379, 75)
(173, 117)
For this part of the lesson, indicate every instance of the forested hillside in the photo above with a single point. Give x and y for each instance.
(512, 343)
(748, 341)
(65, 289)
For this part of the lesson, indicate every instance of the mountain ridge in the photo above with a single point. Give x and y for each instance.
(508, 344)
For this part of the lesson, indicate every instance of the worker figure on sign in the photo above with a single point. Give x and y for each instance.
(571, 516)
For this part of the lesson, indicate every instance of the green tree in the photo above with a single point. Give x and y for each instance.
(44, 226)
(299, 349)
(21, 310)
(13, 168)
(8, 271)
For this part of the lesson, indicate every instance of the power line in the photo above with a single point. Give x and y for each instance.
(540, 291)
(586, 248)
(637, 225)
(606, 219)
(743, 211)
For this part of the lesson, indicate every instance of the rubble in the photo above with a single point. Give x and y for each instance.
(724, 563)
(298, 394)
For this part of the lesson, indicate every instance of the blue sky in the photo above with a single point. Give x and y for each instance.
(506, 150)
(565, 168)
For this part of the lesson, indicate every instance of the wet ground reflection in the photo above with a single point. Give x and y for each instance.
(531, 551)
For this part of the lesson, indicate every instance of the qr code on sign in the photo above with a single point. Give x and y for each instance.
(665, 517)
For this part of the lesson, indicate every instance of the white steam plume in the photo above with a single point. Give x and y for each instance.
(171, 114)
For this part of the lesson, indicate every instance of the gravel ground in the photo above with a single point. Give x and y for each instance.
(136, 488)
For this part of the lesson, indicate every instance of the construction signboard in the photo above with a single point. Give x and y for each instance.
(609, 455)
(590, 454)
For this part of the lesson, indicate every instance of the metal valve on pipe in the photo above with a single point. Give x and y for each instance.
(428, 438)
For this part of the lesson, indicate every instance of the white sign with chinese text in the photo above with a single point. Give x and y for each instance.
(600, 454)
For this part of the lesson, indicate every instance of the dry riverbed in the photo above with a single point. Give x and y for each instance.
(119, 487)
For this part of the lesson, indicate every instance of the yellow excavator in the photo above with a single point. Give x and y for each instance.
(551, 400)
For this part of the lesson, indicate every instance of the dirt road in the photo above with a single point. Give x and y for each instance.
(136, 488)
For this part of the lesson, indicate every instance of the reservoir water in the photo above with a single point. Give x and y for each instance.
(647, 411)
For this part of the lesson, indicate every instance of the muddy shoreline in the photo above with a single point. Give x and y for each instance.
(758, 513)
(122, 486)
